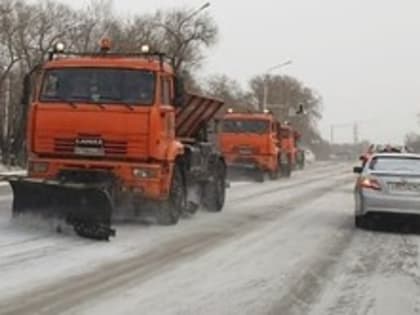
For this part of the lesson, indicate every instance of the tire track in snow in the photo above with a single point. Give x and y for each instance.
(57, 297)
(309, 277)
(31, 245)
(364, 262)
(269, 190)
(370, 259)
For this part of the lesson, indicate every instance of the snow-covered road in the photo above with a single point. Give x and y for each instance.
(284, 247)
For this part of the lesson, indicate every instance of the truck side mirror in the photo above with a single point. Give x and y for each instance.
(178, 100)
(357, 169)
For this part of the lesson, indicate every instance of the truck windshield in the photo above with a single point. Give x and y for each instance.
(285, 133)
(245, 126)
(91, 85)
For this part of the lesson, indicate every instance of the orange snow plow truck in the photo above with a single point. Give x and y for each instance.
(256, 142)
(288, 142)
(113, 134)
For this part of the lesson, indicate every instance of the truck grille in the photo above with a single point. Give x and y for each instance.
(245, 150)
(110, 147)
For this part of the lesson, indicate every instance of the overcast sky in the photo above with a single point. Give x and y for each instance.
(362, 56)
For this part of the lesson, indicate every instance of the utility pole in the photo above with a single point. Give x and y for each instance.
(196, 12)
(356, 133)
(355, 126)
(332, 134)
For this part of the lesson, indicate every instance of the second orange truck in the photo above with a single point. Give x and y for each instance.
(257, 142)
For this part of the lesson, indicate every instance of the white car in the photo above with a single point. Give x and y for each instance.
(387, 183)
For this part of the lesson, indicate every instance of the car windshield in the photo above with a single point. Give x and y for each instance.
(245, 126)
(395, 164)
(99, 86)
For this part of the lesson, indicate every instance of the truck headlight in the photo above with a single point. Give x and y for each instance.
(284, 159)
(145, 172)
(39, 167)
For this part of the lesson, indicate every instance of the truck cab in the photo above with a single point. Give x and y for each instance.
(103, 112)
(249, 141)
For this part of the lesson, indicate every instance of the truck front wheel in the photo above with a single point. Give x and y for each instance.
(171, 210)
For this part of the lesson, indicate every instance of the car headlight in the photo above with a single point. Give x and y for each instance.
(145, 172)
(39, 167)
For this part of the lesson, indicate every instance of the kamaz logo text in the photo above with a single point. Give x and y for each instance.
(89, 142)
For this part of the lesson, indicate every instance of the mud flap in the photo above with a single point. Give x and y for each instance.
(88, 208)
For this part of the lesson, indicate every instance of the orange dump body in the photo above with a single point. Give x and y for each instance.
(250, 140)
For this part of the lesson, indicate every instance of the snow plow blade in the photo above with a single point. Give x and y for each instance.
(86, 207)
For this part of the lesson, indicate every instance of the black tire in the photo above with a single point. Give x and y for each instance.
(214, 192)
(301, 165)
(276, 173)
(171, 210)
(286, 170)
(259, 176)
(360, 221)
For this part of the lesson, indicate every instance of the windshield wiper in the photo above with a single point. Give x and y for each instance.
(68, 102)
(100, 105)
(130, 107)
(118, 101)
(72, 104)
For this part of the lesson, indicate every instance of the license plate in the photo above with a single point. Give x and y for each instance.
(89, 151)
(245, 151)
(404, 187)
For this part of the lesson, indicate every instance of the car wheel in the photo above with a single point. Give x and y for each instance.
(360, 221)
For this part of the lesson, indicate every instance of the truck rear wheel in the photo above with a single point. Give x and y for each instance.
(286, 170)
(276, 173)
(170, 211)
(259, 176)
(214, 192)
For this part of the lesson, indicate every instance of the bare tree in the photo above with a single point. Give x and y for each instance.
(234, 96)
(29, 29)
(185, 36)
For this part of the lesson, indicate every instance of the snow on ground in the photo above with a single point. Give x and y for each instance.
(283, 247)
(379, 275)
(30, 257)
(247, 275)
(26, 248)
